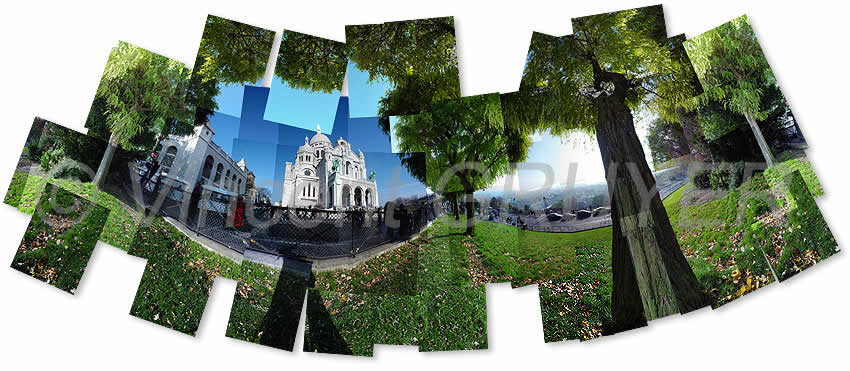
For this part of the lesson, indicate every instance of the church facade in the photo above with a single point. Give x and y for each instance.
(328, 176)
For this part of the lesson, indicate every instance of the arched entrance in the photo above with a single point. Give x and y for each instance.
(346, 196)
(358, 197)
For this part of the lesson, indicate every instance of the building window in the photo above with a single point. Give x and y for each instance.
(227, 180)
(307, 172)
(347, 167)
(208, 165)
(218, 170)
(233, 183)
(239, 186)
(168, 159)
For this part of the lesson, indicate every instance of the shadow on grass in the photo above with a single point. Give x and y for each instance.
(280, 324)
(324, 337)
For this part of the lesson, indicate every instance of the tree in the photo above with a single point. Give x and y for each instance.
(140, 92)
(732, 68)
(417, 57)
(466, 141)
(666, 141)
(230, 53)
(592, 81)
(311, 63)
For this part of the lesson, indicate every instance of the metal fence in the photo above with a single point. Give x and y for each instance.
(292, 232)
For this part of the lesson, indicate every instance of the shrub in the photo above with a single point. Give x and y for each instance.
(727, 176)
(736, 173)
(719, 179)
(50, 158)
(701, 180)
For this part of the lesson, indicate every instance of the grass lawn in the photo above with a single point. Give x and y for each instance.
(179, 272)
(57, 245)
(769, 228)
(267, 306)
(430, 291)
(178, 277)
(25, 190)
(420, 293)
(789, 162)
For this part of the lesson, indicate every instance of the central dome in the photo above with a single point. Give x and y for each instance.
(319, 137)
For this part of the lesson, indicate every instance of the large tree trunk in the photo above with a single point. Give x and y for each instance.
(666, 283)
(470, 212)
(455, 206)
(103, 168)
(765, 150)
(627, 308)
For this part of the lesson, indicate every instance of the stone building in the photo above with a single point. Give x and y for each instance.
(186, 160)
(328, 176)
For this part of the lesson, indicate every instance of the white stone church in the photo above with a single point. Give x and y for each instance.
(325, 176)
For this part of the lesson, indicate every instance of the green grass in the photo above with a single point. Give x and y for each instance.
(578, 306)
(179, 272)
(420, 293)
(713, 237)
(57, 246)
(809, 239)
(25, 191)
(178, 277)
(789, 162)
(735, 244)
(429, 292)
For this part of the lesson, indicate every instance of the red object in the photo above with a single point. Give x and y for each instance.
(239, 216)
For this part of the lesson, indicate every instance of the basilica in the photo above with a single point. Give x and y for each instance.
(328, 176)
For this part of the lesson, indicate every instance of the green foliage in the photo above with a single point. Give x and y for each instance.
(141, 91)
(724, 176)
(51, 157)
(232, 52)
(565, 76)
(311, 63)
(666, 141)
(462, 131)
(733, 71)
(417, 57)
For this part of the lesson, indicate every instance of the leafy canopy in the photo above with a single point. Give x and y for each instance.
(311, 63)
(624, 53)
(418, 58)
(732, 67)
(462, 131)
(139, 92)
(232, 52)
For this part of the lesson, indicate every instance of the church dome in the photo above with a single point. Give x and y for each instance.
(319, 137)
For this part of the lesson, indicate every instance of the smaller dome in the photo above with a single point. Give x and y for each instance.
(319, 137)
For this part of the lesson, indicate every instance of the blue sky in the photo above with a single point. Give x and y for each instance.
(266, 156)
(364, 95)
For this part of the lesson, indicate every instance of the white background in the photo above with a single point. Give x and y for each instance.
(51, 58)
